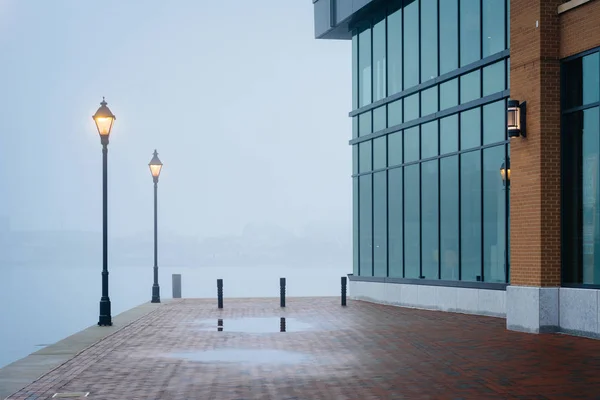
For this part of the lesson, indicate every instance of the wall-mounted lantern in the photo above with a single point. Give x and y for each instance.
(516, 121)
(505, 172)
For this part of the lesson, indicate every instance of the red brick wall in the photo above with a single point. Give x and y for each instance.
(580, 29)
(535, 161)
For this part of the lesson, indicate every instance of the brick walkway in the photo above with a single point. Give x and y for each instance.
(363, 351)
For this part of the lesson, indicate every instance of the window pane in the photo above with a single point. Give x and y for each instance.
(581, 81)
(470, 216)
(494, 122)
(470, 86)
(395, 221)
(380, 223)
(395, 113)
(411, 144)
(379, 153)
(429, 40)
(364, 124)
(379, 119)
(355, 159)
(449, 134)
(429, 219)
(449, 94)
(470, 35)
(448, 35)
(364, 67)
(379, 64)
(366, 226)
(494, 216)
(449, 217)
(355, 228)
(429, 101)
(412, 240)
(354, 127)
(411, 107)
(470, 129)
(394, 48)
(429, 139)
(493, 78)
(493, 27)
(395, 148)
(365, 157)
(411, 44)
(354, 72)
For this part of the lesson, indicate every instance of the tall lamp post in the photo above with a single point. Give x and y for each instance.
(155, 167)
(104, 120)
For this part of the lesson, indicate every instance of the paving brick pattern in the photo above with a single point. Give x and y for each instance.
(363, 351)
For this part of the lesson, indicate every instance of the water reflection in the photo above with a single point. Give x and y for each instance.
(246, 356)
(256, 325)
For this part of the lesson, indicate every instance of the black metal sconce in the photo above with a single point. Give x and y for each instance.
(517, 118)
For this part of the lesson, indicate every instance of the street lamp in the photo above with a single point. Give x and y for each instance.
(505, 172)
(155, 167)
(104, 120)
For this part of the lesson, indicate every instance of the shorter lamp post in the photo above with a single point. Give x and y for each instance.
(155, 167)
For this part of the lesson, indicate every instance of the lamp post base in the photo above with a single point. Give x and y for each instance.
(105, 317)
(155, 294)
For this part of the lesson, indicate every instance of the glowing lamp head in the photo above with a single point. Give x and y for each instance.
(155, 166)
(505, 171)
(104, 119)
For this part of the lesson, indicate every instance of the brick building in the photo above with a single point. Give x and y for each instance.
(476, 156)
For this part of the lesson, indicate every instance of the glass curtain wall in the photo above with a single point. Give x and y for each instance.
(429, 199)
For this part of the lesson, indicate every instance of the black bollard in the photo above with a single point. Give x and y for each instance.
(220, 325)
(282, 292)
(344, 283)
(220, 293)
(282, 324)
(176, 278)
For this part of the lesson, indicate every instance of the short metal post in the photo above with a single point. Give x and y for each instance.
(220, 293)
(220, 325)
(176, 286)
(282, 324)
(282, 292)
(344, 283)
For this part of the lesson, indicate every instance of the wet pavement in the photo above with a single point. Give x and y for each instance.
(316, 349)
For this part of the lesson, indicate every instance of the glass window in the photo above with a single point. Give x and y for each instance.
(394, 50)
(449, 218)
(470, 128)
(429, 139)
(364, 124)
(448, 36)
(493, 78)
(494, 216)
(493, 27)
(379, 63)
(379, 119)
(470, 215)
(470, 35)
(364, 67)
(354, 127)
(411, 144)
(380, 224)
(449, 134)
(429, 40)
(508, 25)
(411, 107)
(365, 204)
(355, 159)
(365, 157)
(355, 228)
(395, 221)
(429, 219)
(395, 148)
(354, 72)
(470, 86)
(412, 250)
(494, 122)
(395, 113)
(449, 94)
(379, 153)
(411, 44)
(429, 101)
(582, 84)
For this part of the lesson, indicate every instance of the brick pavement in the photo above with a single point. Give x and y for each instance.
(363, 351)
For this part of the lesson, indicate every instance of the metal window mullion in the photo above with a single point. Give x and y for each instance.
(439, 210)
(481, 193)
(459, 201)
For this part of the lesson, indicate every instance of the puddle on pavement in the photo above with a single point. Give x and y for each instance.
(245, 356)
(254, 325)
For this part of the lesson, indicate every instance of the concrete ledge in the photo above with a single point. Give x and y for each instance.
(569, 5)
(22, 372)
(532, 309)
(443, 298)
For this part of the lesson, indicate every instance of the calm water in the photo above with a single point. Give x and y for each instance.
(41, 306)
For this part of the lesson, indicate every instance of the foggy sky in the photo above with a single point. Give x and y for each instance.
(247, 110)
